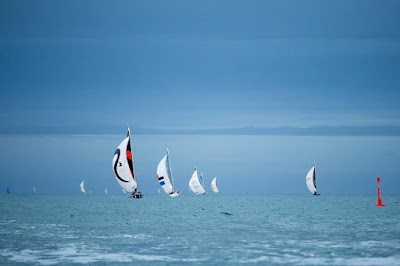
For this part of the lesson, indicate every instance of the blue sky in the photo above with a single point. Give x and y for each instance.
(73, 74)
(95, 66)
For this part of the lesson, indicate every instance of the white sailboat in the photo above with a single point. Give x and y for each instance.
(195, 183)
(34, 190)
(311, 181)
(83, 187)
(123, 190)
(164, 176)
(124, 169)
(105, 191)
(214, 185)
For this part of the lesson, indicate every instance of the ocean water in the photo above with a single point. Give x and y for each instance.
(207, 229)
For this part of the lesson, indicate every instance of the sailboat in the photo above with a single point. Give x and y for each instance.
(164, 176)
(105, 191)
(311, 181)
(124, 169)
(195, 183)
(82, 187)
(123, 190)
(214, 185)
(8, 190)
(34, 190)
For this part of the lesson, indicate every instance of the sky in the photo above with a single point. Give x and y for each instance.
(93, 67)
(297, 68)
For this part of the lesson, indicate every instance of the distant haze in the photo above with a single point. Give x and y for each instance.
(243, 164)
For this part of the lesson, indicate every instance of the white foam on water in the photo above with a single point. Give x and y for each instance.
(368, 261)
(80, 253)
(139, 236)
(291, 259)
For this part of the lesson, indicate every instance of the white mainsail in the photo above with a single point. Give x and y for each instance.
(123, 166)
(214, 185)
(311, 181)
(34, 189)
(82, 187)
(195, 184)
(164, 176)
(105, 191)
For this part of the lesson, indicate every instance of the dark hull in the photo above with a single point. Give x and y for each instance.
(137, 196)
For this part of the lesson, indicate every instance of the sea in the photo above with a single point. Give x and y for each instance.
(212, 229)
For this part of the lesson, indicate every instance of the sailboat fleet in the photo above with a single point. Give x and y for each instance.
(124, 171)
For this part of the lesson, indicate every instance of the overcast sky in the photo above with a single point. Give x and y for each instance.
(73, 66)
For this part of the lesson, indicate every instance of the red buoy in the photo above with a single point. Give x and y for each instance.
(379, 194)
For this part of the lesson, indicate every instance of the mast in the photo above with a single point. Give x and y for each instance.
(170, 169)
(315, 178)
(133, 163)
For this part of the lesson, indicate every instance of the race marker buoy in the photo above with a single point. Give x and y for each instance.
(379, 194)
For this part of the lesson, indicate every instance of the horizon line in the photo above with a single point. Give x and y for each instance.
(248, 130)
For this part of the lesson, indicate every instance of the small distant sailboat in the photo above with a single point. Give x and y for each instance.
(214, 185)
(311, 181)
(123, 190)
(34, 190)
(105, 191)
(159, 191)
(195, 183)
(124, 169)
(164, 176)
(8, 190)
(82, 187)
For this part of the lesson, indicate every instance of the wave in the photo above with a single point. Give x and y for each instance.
(79, 253)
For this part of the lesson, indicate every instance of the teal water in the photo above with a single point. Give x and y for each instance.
(208, 229)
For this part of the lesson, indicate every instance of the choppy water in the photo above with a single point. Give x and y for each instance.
(209, 229)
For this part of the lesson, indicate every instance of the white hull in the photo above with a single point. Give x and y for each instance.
(174, 195)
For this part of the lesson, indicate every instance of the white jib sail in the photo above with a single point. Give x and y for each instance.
(82, 187)
(214, 185)
(195, 184)
(122, 170)
(310, 180)
(163, 175)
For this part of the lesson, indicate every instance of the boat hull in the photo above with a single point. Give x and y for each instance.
(136, 196)
(174, 195)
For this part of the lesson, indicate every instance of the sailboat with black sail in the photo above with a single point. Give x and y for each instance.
(124, 168)
(311, 181)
